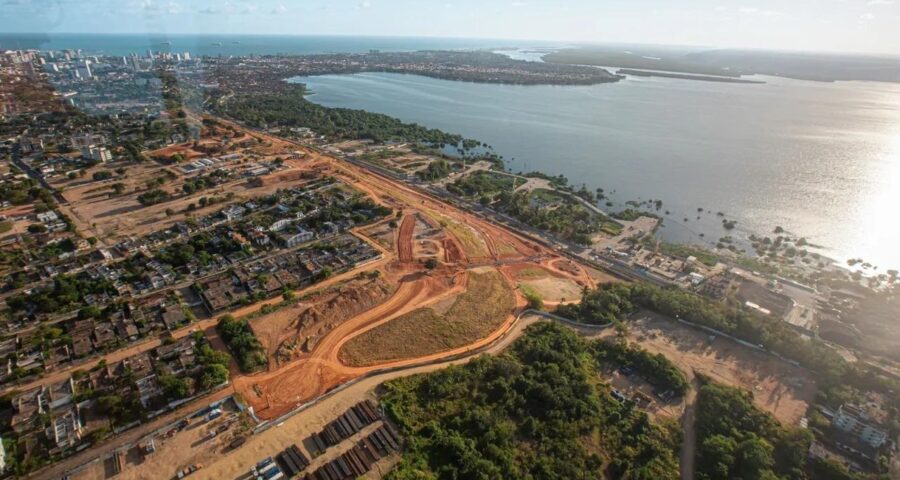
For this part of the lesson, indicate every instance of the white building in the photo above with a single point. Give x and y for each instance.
(302, 236)
(97, 154)
(851, 420)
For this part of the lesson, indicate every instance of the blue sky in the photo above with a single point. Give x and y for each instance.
(829, 25)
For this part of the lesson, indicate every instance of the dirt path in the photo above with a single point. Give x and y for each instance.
(689, 431)
(405, 239)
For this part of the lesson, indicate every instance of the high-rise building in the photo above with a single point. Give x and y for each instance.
(84, 70)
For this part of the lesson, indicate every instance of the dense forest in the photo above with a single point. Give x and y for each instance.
(290, 108)
(539, 411)
(656, 369)
(737, 440)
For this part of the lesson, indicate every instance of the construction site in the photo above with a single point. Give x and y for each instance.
(447, 286)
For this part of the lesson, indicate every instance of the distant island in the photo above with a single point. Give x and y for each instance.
(683, 76)
(730, 63)
(467, 66)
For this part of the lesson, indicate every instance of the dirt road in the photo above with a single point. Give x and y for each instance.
(296, 428)
(276, 392)
(405, 239)
(689, 431)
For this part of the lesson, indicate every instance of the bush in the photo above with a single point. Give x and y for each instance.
(243, 344)
(152, 197)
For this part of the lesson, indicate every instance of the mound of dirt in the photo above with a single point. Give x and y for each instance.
(302, 333)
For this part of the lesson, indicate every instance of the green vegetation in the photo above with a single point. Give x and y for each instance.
(153, 196)
(66, 293)
(548, 210)
(737, 440)
(631, 214)
(101, 175)
(290, 108)
(243, 344)
(684, 251)
(656, 369)
(535, 412)
(435, 170)
(25, 191)
(612, 302)
(215, 363)
(535, 301)
(482, 184)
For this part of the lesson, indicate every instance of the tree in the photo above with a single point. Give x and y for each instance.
(174, 387)
(431, 264)
(753, 458)
(215, 374)
(91, 311)
(37, 228)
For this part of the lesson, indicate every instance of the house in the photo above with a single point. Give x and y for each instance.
(175, 349)
(148, 389)
(233, 212)
(65, 429)
(27, 406)
(173, 316)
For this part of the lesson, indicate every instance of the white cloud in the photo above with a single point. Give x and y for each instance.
(279, 9)
(867, 17)
(760, 12)
(881, 2)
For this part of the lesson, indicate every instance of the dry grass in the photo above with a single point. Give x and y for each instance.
(472, 242)
(474, 315)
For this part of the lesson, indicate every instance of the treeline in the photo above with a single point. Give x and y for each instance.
(290, 108)
(658, 370)
(543, 209)
(737, 440)
(67, 292)
(534, 412)
(24, 191)
(615, 301)
(243, 344)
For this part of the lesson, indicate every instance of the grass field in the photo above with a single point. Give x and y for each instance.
(474, 315)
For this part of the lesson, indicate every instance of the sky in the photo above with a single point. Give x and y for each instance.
(806, 25)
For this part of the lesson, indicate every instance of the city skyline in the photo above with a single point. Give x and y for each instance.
(864, 26)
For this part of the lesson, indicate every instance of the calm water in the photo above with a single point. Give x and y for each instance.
(243, 44)
(821, 160)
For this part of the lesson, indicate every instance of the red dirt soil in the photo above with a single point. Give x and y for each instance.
(283, 389)
(405, 240)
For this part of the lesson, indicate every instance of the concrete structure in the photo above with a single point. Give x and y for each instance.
(852, 420)
(302, 236)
